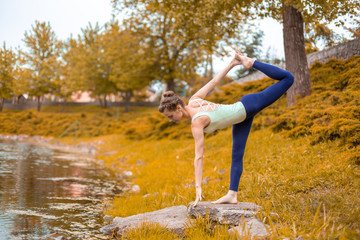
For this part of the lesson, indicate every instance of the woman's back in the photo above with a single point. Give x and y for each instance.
(221, 115)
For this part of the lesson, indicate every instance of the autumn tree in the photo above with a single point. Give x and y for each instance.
(7, 74)
(130, 57)
(73, 69)
(319, 32)
(87, 67)
(355, 28)
(42, 58)
(184, 32)
(202, 16)
(294, 14)
(22, 79)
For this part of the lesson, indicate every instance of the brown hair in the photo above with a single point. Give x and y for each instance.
(169, 101)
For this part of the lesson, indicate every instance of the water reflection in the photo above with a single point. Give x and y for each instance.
(44, 192)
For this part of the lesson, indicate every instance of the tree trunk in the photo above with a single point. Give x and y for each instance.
(62, 105)
(295, 56)
(171, 85)
(100, 101)
(105, 102)
(1, 104)
(39, 103)
(128, 95)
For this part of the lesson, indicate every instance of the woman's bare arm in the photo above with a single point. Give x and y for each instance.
(198, 133)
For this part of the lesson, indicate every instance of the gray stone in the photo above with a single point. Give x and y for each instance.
(135, 188)
(252, 227)
(189, 185)
(110, 153)
(231, 214)
(173, 218)
(140, 162)
(127, 173)
(107, 218)
(92, 152)
(146, 195)
(206, 180)
(54, 236)
(60, 238)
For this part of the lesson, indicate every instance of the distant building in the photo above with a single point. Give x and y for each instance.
(82, 97)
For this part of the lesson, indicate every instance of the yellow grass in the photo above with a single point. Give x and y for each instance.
(300, 162)
(286, 176)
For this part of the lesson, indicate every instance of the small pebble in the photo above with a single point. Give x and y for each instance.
(128, 173)
(206, 180)
(146, 195)
(135, 188)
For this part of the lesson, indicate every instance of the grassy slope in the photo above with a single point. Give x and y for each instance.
(300, 162)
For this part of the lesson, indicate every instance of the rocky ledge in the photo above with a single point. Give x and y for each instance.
(239, 217)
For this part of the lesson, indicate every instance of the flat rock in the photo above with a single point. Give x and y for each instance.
(231, 214)
(252, 227)
(173, 218)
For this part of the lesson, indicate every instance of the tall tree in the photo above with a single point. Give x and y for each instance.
(294, 14)
(202, 16)
(7, 72)
(73, 69)
(184, 32)
(91, 62)
(42, 59)
(130, 58)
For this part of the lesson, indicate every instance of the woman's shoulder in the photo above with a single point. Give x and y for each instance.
(194, 98)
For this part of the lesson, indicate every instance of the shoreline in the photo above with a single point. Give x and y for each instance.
(82, 148)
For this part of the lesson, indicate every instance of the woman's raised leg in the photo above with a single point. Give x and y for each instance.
(255, 102)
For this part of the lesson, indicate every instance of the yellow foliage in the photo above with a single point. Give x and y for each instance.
(301, 162)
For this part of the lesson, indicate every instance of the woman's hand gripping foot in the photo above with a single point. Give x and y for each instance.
(230, 197)
(245, 61)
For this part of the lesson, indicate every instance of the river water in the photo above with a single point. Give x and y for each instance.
(46, 192)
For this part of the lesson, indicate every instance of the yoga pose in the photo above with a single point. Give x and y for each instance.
(207, 117)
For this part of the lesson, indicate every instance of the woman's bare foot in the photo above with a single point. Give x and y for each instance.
(245, 61)
(230, 197)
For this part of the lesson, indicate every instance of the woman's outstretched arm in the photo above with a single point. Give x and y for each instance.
(215, 81)
(198, 134)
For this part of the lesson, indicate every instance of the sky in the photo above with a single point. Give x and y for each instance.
(65, 16)
(68, 17)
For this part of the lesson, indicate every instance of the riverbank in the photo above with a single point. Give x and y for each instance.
(49, 142)
(309, 186)
(63, 194)
(282, 170)
(302, 162)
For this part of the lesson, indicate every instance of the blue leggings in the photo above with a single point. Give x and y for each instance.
(253, 104)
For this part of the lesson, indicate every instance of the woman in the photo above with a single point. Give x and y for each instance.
(207, 117)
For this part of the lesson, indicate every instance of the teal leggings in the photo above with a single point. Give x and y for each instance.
(253, 104)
